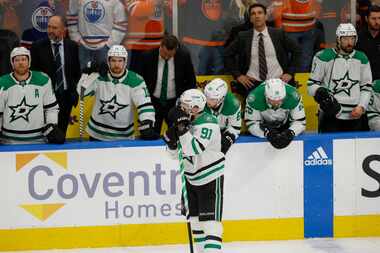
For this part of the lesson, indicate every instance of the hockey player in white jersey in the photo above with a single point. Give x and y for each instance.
(116, 93)
(373, 112)
(226, 108)
(96, 25)
(341, 83)
(199, 135)
(275, 110)
(28, 107)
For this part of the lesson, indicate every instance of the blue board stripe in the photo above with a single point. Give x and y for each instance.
(318, 188)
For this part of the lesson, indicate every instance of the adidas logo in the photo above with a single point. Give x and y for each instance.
(318, 157)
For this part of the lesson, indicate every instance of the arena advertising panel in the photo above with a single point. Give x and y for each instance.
(140, 185)
(357, 177)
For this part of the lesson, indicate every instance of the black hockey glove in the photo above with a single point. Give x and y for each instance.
(53, 134)
(227, 140)
(147, 132)
(170, 138)
(282, 139)
(180, 120)
(267, 126)
(327, 102)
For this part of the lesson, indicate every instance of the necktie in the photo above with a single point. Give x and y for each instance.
(263, 68)
(58, 70)
(164, 84)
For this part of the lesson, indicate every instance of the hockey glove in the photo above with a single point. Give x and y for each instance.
(147, 132)
(227, 140)
(267, 126)
(170, 138)
(327, 102)
(282, 139)
(180, 120)
(53, 134)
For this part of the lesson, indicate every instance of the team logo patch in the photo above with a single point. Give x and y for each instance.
(40, 18)
(21, 111)
(93, 11)
(111, 107)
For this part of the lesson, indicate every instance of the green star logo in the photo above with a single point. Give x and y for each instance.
(344, 84)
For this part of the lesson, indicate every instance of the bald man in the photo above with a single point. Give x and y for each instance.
(57, 56)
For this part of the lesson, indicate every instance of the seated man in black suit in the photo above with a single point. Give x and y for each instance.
(260, 53)
(168, 71)
(58, 57)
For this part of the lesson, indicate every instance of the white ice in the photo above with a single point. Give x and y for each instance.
(344, 245)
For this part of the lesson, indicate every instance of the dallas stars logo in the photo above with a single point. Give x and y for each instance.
(111, 107)
(344, 84)
(21, 110)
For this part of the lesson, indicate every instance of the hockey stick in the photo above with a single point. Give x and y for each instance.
(184, 196)
(81, 113)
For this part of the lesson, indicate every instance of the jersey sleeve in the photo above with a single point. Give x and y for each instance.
(234, 119)
(297, 118)
(142, 101)
(365, 85)
(120, 23)
(253, 119)
(50, 104)
(316, 75)
(72, 20)
(195, 143)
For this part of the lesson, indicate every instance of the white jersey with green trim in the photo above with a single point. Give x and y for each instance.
(26, 107)
(347, 77)
(113, 110)
(257, 111)
(201, 147)
(373, 112)
(228, 115)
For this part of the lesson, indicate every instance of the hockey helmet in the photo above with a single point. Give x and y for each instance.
(275, 89)
(193, 98)
(118, 51)
(346, 29)
(19, 51)
(216, 89)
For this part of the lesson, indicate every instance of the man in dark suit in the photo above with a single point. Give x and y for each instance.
(58, 57)
(261, 53)
(168, 71)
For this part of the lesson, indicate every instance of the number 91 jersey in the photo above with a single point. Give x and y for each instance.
(201, 147)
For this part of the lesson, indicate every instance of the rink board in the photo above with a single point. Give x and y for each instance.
(127, 193)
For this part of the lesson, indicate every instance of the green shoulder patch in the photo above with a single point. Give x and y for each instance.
(204, 118)
(292, 98)
(326, 55)
(39, 78)
(256, 98)
(376, 86)
(361, 57)
(133, 79)
(6, 81)
(231, 104)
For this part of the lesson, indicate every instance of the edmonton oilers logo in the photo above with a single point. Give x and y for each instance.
(41, 17)
(93, 11)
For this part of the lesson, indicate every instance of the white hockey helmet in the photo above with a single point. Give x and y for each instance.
(275, 89)
(19, 51)
(118, 51)
(193, 98)
(216, 89)
(346, 29)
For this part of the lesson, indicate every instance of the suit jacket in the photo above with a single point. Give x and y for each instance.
(184, 75)
(43, 60)
(237, 55)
